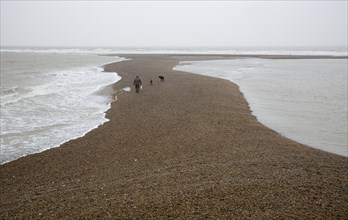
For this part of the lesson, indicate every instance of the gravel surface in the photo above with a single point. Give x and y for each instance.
(185, 148)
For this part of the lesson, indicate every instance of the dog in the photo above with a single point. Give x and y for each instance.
(161, 78)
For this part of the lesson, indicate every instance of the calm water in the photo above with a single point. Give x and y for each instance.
(304, 100)
(49, 98)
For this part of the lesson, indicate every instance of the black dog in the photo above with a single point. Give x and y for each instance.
(161, 78)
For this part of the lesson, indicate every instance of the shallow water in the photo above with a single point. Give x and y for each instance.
(304, 100)
(48, 99)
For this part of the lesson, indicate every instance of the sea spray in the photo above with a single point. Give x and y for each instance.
(48, 99)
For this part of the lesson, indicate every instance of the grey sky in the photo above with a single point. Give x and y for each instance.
(174, 23)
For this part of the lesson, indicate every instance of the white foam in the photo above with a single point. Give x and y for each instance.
(315, 51)
(58, 106)
(127, 89)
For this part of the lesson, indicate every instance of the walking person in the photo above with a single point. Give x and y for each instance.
(137, 83)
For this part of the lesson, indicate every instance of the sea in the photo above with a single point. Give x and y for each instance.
(48, 98)
(302, 99)
(52, 95)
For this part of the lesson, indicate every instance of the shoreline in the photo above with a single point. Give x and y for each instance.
(274, 117)
(229, 56)
(178, 149)
(63, 95)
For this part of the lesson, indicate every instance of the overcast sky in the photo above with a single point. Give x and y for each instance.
(174, 23)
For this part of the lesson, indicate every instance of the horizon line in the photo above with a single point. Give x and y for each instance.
(171, 47)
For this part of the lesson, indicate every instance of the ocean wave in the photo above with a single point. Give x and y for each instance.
(9, 91)
(320, 51)
(53, 107)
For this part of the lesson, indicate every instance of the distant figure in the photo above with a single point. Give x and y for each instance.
(137, 83)
(151, 82)
(161, 78)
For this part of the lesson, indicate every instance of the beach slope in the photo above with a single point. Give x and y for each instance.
(185, 148)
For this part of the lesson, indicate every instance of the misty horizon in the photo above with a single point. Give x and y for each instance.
(168, 24)
(178, 46)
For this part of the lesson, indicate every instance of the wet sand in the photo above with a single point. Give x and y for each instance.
(186, 148)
